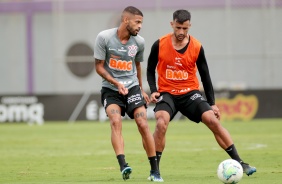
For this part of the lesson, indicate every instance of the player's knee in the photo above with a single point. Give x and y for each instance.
(142, 123)
(215, 126)
(211, 121)
(115, 122)
(162, 124)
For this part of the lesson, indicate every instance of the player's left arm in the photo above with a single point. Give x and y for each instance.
(139, 57)
(139, 76)
(206, 80)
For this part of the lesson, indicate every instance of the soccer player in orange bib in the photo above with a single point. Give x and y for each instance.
(176, 57)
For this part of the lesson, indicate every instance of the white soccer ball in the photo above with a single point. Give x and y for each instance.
(230, 171)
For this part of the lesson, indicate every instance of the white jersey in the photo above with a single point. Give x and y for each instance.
(119, 58)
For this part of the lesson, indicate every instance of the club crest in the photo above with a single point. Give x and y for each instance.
(132, 50)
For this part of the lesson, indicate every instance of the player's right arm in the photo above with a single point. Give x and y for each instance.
(99, 65)
(100, 51)
(151, 71)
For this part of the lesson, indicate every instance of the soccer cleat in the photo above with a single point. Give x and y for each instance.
(155, 176)
(249, 170)
(125, 173)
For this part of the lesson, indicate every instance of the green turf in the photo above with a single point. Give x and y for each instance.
(81, 152)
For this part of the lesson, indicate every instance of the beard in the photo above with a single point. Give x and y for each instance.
(180, 37)
(131, 31)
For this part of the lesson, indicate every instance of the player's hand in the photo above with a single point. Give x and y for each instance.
(216, 111)
(155, 96)
(146, 97)
(122, 90)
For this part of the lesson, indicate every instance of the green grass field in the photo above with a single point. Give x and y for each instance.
(81, 152)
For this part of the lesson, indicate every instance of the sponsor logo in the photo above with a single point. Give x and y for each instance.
(21, 109)
(180, 90)
(121, 65)
(160, 98)
(242, 107)
(132, 50)
(111, 48)
(122, 49)
(125, 82)
(178, 62)
(229, 149)
(168, 66)
(134, 98)
(176, 74)
(136, 103)
(197, 95)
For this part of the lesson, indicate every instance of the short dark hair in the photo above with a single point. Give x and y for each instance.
(133, 10)
(181, 16)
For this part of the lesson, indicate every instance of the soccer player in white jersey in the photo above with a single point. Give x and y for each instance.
(118, 53)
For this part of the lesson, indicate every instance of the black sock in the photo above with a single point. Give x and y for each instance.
(159, 155)
(232, 152)
(121, 161)
(153, 163)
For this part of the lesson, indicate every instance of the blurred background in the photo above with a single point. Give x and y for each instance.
(47, 67)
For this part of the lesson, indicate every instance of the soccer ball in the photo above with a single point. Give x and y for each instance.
(230, 171)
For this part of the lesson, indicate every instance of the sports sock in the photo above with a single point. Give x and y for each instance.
(159, 155)
(121, 161)
(232, 152)
(153, 163)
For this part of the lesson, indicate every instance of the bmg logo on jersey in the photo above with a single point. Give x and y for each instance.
(132, 50)
(134, 98)
(121, 65)
(176, 74)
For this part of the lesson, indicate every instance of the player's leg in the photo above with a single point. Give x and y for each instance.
(164, 113)
(224, 139)
(196, 108)
(221, 135)
(140, 117)
(114, 113)
(137, 111)
(148, 142)
(162, 122)
(114, 109)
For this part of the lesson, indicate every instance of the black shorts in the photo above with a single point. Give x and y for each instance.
(127, 103)
(192, 105)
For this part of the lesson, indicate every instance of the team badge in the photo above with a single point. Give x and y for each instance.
(132, 50)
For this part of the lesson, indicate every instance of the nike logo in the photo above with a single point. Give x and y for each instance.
(160, 99)
(137, 103)
(229, 149)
